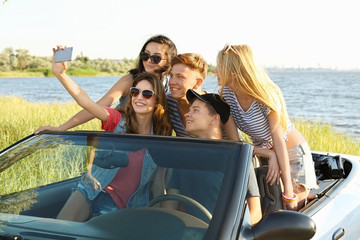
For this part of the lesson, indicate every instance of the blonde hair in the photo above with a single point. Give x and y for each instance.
(192, 60)
(236, 67)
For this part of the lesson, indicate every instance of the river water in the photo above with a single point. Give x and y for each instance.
(327, 96)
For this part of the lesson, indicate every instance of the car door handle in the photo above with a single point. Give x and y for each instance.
(338, 234)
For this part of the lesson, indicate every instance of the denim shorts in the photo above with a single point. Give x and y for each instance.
(101, 204)
(302, 166)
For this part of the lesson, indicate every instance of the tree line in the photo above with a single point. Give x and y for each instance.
(20, 60)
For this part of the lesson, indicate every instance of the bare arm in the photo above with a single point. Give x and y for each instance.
(231, 130)
(255, 209)
(79, 95)
(273, 174)
(120, 88)
(277, 135)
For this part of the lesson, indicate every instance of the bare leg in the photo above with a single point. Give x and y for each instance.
(76, 208)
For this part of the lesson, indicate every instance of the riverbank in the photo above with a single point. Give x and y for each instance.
(48, 73)
(76, 73)
(21, 118)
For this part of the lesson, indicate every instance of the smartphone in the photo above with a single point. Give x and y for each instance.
(63, 55)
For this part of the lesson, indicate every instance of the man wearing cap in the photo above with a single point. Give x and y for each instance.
(207, 115)
(188, 71)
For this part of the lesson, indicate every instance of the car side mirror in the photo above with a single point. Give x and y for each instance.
(284, 224)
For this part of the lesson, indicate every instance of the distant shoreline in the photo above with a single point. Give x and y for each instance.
(286, 70)
(18, 74)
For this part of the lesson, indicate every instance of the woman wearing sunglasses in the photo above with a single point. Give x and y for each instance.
(258, 108)
(155, 57)
(100, 190)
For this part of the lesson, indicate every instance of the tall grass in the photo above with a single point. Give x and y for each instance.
(19, 118)
(323, 137)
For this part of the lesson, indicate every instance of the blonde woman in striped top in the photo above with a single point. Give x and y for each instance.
(258, 109)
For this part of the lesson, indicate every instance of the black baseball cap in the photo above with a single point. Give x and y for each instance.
(220, 106)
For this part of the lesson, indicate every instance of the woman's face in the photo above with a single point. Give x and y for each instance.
(141, 102)
(158, 50)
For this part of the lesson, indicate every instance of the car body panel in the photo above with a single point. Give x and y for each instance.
(341, 210)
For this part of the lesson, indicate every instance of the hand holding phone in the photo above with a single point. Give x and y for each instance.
(63, 55)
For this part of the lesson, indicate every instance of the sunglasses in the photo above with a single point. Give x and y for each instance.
(155, 59)
(227, 48)
(147, 94)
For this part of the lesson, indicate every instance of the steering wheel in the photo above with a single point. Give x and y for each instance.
(182, 199)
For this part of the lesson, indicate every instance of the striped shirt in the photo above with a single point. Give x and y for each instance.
(175, 117)
(254, 122)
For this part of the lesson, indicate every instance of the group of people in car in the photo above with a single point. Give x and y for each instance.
(164, 94)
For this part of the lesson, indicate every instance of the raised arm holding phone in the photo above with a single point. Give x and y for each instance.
(155, 48)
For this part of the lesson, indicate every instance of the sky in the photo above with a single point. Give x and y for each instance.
(282, 33)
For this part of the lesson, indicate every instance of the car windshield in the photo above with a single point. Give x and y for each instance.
(39, 174)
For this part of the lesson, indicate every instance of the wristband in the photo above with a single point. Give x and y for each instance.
(289, 200)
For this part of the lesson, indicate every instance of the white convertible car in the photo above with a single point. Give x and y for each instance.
(38, 173)
(336, 205)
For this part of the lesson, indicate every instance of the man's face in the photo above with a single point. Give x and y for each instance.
(198, 120)
(182, 78)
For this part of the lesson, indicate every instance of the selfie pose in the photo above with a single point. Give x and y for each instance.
(258, 109)
(155, 57)
(105, 190)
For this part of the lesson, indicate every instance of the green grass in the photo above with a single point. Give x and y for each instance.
(323, 137)
(20, 118)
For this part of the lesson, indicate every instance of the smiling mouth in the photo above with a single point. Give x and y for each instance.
(174, 89)
(140, 104)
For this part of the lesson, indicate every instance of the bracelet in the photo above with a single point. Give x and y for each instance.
(289, 200)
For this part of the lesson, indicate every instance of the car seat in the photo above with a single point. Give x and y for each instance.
(270, 196)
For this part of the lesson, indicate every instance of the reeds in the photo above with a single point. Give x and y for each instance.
(323, 137)
(19, 118)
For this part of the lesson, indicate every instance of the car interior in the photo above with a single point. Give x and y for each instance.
(45, 199)
(48, 199)
(330, 172)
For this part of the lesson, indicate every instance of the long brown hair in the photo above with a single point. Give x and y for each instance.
(160, 118)
(171, 52)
